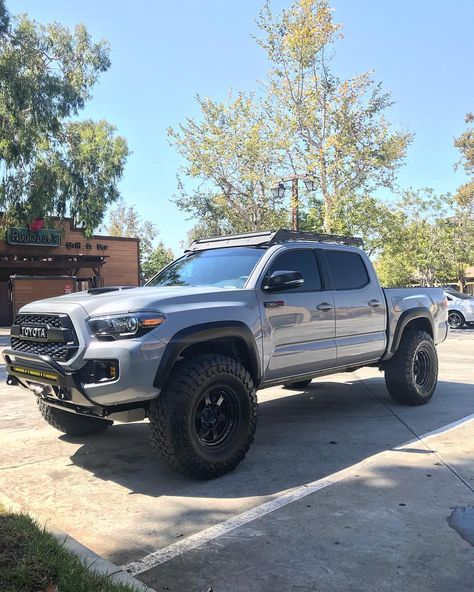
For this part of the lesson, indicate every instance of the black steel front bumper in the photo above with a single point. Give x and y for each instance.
(49, 381)
(39, 369)
(57, 386)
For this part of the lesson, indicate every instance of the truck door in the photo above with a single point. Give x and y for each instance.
(298, 324)
(361, 314)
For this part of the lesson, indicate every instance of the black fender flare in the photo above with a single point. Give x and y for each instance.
(207, 332)
(406, 317)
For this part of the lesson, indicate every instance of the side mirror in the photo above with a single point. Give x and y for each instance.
(283, 280)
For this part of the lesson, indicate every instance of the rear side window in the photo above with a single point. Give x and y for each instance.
(348, 271)
(301, 260)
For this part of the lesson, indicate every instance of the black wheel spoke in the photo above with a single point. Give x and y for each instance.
(203, 432)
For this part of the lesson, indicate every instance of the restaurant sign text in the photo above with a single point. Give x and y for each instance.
(46, 237)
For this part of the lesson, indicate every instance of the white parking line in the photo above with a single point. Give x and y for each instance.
(197, 540)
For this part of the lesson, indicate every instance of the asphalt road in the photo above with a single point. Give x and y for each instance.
(339, 492)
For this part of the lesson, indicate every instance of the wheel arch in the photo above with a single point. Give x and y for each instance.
(415, 318)
(232, 338)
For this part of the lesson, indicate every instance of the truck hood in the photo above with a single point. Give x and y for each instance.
(134, 299)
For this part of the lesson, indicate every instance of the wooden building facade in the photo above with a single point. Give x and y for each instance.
(38, 262)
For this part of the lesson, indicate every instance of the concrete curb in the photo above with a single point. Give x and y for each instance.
(93, 561)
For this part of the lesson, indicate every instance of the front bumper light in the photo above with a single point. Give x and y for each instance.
(125, 326)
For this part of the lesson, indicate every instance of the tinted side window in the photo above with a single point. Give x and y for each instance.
(303, 261)
(348, 271)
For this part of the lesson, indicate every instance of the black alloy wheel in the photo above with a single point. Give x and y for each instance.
(217, 416)
(422, 371)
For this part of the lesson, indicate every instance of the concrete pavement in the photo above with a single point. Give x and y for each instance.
(384, 526)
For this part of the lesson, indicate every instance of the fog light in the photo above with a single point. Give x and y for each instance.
(112, 371)
(97, 371)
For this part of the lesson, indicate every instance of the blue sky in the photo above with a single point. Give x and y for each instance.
(163, 53)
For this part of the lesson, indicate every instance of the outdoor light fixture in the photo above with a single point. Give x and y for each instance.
(279, 190)
(310, 184)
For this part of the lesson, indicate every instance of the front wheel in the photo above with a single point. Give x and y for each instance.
(204, 420)
(411, 375)
(455, 319)
(70, 423)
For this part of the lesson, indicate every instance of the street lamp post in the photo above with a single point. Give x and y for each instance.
(279, 191)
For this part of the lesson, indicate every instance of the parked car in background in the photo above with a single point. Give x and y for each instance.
(460, 308)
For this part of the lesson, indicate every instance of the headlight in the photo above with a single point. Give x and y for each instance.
(124, 326)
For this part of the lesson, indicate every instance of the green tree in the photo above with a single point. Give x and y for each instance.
(231, 161)
(429, 241)
(159, 258)
(465, 144)
(51, 164)
(124, 220)
(307, 120)
(332, 129)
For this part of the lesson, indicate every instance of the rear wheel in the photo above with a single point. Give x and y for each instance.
(455, 319)
(72, 423)
(204, 420)
(411, 375)
(300, 384)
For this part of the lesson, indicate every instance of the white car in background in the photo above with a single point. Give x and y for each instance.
(460, 309)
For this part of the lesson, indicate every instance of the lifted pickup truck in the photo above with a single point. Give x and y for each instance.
(234, 314)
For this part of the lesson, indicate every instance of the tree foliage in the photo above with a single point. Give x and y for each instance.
(51, 164)
(306, 120)
(159, 257)
(332, 129)
(232, 160)
(429, 241)
(465, 144)
(124, 220)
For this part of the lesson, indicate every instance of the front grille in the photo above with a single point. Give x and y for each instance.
(33, 319)
(58, 350)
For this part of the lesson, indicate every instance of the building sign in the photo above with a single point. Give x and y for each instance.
(87, 246)
(46, 237)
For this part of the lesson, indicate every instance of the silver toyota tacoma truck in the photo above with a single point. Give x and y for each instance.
(234, 314)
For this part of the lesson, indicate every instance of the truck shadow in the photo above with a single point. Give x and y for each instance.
(301, 436)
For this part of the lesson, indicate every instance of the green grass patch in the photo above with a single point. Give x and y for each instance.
(33, 560)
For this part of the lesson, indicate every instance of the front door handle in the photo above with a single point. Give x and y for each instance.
(374, 303)
(325, 306)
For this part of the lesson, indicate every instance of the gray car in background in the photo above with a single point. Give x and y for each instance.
(233, 315)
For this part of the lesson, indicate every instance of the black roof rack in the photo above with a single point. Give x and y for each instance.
(271, 237)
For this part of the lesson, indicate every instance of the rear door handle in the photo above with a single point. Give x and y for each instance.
(325, 306)
(374, 303)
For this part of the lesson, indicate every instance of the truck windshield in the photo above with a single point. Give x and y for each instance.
(228, 267)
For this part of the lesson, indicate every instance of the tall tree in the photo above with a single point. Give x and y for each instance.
(232, 161)
(465, 144)
(124, 220)
(307, 120)
(49, 163)
(332, 129)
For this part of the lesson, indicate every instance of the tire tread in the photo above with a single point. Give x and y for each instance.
(398, 370)
(71, 423)
(168, 436)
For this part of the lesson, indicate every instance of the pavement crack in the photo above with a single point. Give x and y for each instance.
(33, 462)
(417, 436)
